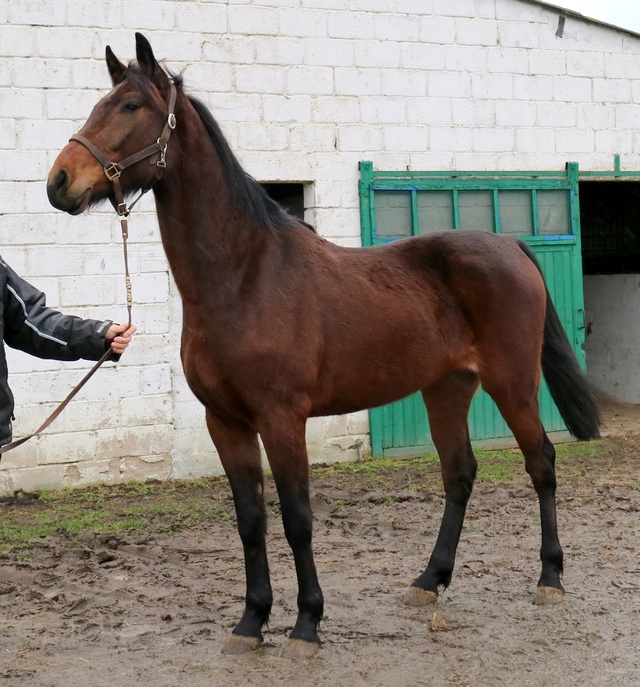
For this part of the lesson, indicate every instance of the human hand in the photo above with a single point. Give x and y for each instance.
(120, 336)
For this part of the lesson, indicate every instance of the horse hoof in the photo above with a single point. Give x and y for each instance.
(415, 596)
(548, 596)
(297, 649)
(238, 644)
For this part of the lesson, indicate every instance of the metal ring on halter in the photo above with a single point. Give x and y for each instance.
(171, 120)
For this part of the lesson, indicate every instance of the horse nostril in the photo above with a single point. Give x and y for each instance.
(60, 181)
(57, 186)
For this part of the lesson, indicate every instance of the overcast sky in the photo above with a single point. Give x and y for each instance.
(624, 13)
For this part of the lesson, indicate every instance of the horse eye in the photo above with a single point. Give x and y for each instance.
(130, 107)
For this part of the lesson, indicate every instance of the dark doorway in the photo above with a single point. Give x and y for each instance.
(289, 195)
(610, 226)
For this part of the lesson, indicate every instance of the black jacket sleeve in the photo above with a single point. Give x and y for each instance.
(31, 326)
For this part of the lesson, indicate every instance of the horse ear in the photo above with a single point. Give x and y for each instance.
(146, 58)
(116, 68)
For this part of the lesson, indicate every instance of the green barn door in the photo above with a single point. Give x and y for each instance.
(540, 207)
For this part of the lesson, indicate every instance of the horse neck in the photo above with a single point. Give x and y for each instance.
(205, 235)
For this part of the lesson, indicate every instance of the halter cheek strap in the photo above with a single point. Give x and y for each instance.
(113, 170)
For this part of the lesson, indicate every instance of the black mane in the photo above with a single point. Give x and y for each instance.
(255, 202)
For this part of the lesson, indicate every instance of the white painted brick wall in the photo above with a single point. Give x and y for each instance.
(304, 90)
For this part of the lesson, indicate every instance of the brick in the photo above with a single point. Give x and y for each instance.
(358, 138)
(154, 410)
(279, 108)
(465, 59)
(198, 17)
(107, 15)
(533, 87)
(547, 62)
(572, 89)
(628, 116)
(283, 51)
(22, 103)
(335, 109)
(515, 114)
(64, 42)
(260, 79)
(474, 31)
(404, 82)
(492, 86)
(429, 111)
(398, 27)
(23, 165)
(209, 77)
(508, 60)
(383, 109)
(156, 379)
(87, 291)
(611, 90)
(350, 25)
(36, 134)
(535, 139)
(262, 137)
(575, 141)
(253, 20)
(230, 50)
(448, 85)
(35, 13)
(486, 140)
(303, 22)
(437, 29)
(157, 15)
(584, 63)
(557, 115)
(422, 56)
(311, 138)
(331, 52)
(11, 201)
(315, 81)
(358, 81)
(406, 138)
(450, 138)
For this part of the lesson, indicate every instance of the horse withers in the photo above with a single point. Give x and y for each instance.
(280, 325)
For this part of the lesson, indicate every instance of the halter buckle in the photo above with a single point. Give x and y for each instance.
(162, 162)
(113, 171)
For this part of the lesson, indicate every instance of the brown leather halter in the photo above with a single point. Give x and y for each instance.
(113, 171)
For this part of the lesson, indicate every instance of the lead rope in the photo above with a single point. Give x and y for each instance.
(107, 354)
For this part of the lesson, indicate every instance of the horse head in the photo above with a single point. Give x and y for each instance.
(126, 130)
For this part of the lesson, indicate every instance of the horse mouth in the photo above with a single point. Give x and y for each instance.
(81, 203)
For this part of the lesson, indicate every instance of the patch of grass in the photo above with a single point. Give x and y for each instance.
(110, 509)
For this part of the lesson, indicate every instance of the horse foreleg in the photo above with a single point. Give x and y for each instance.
(283, 437)
(239, 453)
(447, 404)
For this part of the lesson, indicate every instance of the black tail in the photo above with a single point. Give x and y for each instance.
(572, 393)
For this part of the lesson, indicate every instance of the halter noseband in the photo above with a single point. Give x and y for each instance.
(113, 170)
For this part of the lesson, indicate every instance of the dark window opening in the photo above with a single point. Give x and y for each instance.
(290, 196)
(610, 226)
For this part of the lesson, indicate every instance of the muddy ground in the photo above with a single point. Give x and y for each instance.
(153, 607)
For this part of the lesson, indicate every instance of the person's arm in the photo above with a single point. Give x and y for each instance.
(31, 326)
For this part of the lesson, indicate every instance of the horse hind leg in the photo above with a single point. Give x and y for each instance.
(448, 403)
(518, 403)
(239, 453)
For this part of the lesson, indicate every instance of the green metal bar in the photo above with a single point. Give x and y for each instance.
(535, 220)
(456, 210)
(366, 202)
(497, 228)
(415, 228)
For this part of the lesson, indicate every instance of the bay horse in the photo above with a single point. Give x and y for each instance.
(280, 325)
